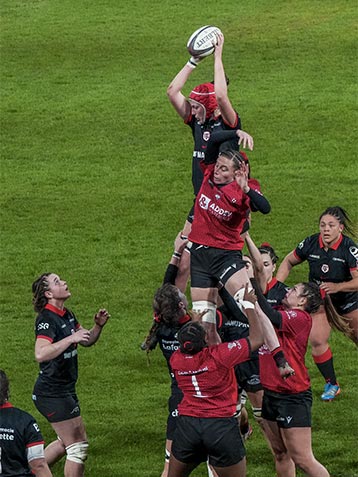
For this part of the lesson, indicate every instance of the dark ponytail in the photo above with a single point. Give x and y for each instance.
(341, 215)
(39, 287)
(315, 298)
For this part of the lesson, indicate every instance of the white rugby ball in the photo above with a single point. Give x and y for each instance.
(200, 44)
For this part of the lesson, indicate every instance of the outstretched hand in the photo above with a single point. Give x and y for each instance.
(245, 140)
(101, 317)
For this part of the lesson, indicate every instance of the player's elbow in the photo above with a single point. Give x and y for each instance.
(256, 341)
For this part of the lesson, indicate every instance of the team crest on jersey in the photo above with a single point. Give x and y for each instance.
(206, 135)
(204, 202)
(234, 344)
(325, 268)
(291, 314)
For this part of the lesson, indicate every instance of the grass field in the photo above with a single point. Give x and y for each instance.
(95, 184)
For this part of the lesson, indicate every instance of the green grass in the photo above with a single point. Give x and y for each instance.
(95, 184)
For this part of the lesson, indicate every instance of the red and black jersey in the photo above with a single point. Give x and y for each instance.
(58, 376)
(332, 265)
(293, 337)
(207, 379)
(202, 134)
(220, 214)
(275, 292)
(18, 432)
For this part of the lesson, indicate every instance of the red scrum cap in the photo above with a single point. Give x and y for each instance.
(205, 95)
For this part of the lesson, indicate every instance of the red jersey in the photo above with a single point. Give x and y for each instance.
(207, 379)
(293, 337)
(219, 214)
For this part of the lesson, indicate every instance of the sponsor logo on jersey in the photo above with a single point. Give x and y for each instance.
(301, 244)
(336, 259)
(311, 255)
(70, 354)
(43, 326)
(325, 268)
(217, 196)
(175, 413)
(198, 155)
(206, 204)
(236, 324)
(234, 344)
(264, 350)
(291, 314)
(354, 252)
(206, 135)
(170, 345)
(254, 380)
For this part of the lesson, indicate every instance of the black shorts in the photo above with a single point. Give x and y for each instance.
(345, 302)
(210, 266)
(57, 409)
(173, 402)
(288, 410)
(248, 375)
(197, 439)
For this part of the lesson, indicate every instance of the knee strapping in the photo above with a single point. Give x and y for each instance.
(77, 452)
(257, 412)
(210, 315)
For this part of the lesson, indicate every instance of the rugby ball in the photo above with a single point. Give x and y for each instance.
(202, 41)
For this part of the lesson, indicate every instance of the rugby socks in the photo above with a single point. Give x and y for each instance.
(324, 363)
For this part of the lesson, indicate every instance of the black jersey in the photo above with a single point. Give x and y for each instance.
(168, 343)
(275, 292)
(334, 265)
(59, 375)
(18, 432)
(201, 135)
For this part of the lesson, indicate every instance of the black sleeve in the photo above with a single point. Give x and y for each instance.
(258, 202)
(231, 308)
(273, 315)
(170, 274)
(216, 139)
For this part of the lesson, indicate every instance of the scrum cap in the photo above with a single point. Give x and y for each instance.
(205, 95)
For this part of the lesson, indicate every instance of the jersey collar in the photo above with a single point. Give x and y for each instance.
(54, 309)
(6, 405)
(271, 284)
(334, 247)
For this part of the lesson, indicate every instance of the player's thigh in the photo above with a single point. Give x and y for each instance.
(353, 324)
(298, 441)
(70, 431)
(320, 330)
(237, 470)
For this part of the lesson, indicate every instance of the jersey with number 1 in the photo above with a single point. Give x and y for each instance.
(207, 379)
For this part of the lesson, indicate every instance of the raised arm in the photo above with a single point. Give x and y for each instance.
(257, 262)
(174, 91)
(286, 266)
(226, 109)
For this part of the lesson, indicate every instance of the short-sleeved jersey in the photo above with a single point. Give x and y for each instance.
(332, 265)
(201, 135)
(168, 343)
(293, 338)
(220, 214)
(207, 379)
(275, 292)
(18, 432)
(58, 376)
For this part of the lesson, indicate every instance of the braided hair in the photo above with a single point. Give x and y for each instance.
(315, 297)
(341, 215)
(234, 156)
(4, 387)
(39, 287)
(192, 338)
(166, 304)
